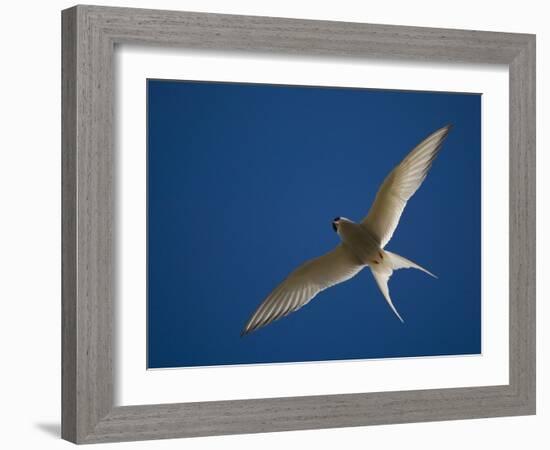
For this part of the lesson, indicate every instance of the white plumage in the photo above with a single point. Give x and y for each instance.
(362, 244)
(303, 284)
(400, 185)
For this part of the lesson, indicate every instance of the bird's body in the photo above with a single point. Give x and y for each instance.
(358, 239)
(362, 244)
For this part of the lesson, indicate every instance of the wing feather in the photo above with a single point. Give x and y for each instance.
(302, 285)
(400, 185)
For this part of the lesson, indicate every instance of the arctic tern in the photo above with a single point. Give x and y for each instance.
(362, 244)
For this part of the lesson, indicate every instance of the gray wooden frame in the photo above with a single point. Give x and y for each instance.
(89, 36)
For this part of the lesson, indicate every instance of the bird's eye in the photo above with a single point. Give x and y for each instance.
(336, 219)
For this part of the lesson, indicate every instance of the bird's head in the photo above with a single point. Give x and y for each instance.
(335, 223)
(338, 221)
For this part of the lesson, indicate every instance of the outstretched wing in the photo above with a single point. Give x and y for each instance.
(303, 284)
(400, 185)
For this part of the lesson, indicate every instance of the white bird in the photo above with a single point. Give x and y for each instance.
(362, 244)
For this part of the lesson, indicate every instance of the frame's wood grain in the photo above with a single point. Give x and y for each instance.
(68, 224)
(89, 36)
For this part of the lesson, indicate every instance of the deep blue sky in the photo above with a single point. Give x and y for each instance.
(243, 183)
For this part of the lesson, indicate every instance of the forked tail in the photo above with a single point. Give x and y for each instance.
(383, 271)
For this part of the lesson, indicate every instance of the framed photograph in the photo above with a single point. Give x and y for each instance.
(242, 197)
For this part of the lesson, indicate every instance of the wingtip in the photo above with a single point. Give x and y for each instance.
(247, 330)
(431, 274)
(448, 127)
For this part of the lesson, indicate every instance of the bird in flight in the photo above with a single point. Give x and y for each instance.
(362, 244)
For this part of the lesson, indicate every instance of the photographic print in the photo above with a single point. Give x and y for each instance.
(281, 219)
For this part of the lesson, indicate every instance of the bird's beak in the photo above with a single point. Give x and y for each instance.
(334, 226)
